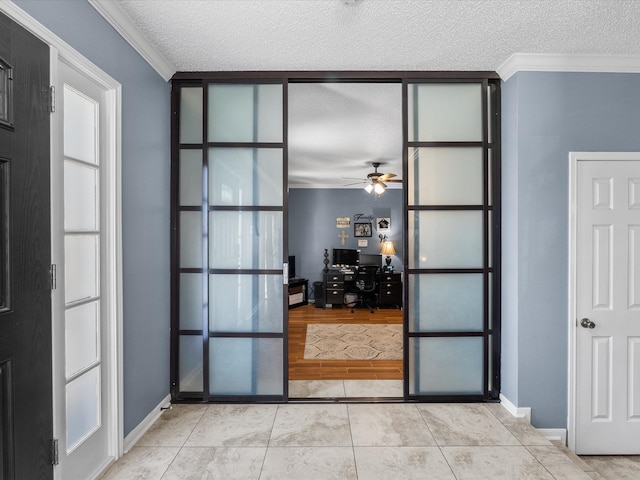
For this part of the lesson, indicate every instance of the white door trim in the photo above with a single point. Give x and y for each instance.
(574, 158)
(62, 51)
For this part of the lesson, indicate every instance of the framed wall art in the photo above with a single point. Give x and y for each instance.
(383, 224)
(362, 230)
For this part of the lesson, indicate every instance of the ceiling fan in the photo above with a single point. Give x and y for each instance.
(376, 181)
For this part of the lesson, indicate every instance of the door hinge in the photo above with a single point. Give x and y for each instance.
(52, 98)
(53, 274)
(55, 460)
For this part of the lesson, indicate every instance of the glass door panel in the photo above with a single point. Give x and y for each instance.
(446, 176)
(191, 301)
(187, 347)
(245, 176)
(447, 302)
(82, 254)
(81, 202)
(446, 239)
(190, 376)
(445, 112)
(246, 366)
(82, 337)
(446, 366)
(191, 115)
(246, 303)
(190, 178)
(245, 113)
(450, 217)
(230, 221)
(245, 239)
(83, 407)
(190, 239)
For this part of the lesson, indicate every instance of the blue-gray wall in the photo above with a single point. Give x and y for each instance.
(546, 116)
(312, 225)
(145, 196)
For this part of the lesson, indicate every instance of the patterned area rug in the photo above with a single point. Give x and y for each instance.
(353, 342)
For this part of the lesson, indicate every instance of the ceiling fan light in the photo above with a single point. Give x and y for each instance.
(369, 188)
(379, 188)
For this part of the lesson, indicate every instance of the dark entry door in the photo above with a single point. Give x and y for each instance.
(25, 290)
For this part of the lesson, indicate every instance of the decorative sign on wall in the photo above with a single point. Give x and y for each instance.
(343, 222)
(384, 224)
(361, 217)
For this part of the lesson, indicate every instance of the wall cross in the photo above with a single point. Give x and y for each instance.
(343, 236)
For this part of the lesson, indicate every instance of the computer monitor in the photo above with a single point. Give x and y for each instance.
(369, 259)
(345, 257)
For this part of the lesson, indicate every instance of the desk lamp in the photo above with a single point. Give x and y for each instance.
(388, 250)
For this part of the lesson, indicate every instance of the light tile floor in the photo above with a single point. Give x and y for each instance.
(345, 388)
(363, 441)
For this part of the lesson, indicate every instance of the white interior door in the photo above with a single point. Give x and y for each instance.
(83, 315)
(607, 305)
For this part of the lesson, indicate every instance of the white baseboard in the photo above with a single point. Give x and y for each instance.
(551, 434)
(137, 433)
(518, 412)
(555, 434)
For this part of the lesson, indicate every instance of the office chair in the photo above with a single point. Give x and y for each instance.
(365, 286)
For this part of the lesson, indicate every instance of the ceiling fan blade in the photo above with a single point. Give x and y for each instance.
(396, 180)
(355, 183)
(386, 176)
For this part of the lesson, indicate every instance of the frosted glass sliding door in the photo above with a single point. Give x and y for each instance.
(229, 181)
(451, 212)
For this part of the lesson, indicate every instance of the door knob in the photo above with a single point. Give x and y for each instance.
(586, 323)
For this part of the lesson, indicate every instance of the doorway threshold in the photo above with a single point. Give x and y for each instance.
(343, 390)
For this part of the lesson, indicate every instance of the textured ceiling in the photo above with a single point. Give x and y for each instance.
(196, 35)
(337, 131)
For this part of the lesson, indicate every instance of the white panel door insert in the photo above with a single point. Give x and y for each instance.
(606, 406)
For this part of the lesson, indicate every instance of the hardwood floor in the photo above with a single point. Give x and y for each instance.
(301, 369)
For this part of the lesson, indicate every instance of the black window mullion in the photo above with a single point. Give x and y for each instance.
(446, 207)
(244, 145)
(231, 334)
(205, 243)
(243, 271)
(427, 144)
(485, 227)
(496, 221)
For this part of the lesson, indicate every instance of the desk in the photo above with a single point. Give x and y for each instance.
(298, 288)
(334, 282)
(389, 287)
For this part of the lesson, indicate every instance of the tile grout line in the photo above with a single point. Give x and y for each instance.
(181, 447)
(268, 445)
(353, 448)
(437, 442)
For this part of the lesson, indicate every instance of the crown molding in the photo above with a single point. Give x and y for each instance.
(535, 62)
(62, 49)
(113, 14)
